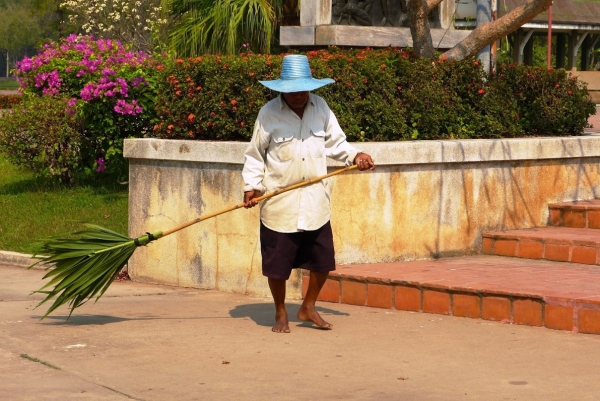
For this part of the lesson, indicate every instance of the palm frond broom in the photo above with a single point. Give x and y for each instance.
(86, 263)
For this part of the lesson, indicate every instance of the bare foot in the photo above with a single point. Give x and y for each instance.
(281, 323)
(309, 314)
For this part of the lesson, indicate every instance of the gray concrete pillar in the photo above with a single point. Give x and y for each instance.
(575, 41)
(587, 48)
(315, 12)
(484, 16)
(446, 13)
(521, 39)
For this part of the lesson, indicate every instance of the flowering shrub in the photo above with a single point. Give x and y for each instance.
(213, 97)
(111, 90)
(134, 22)
(379, 95)
(43, 136)
(9, 101)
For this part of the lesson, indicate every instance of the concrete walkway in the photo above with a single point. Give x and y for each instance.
(149, 342)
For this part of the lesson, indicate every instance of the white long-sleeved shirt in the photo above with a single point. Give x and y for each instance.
(286, 150)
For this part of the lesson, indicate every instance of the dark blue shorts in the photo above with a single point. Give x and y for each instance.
(282, 252)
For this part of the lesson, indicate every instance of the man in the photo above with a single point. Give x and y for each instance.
(293, 135)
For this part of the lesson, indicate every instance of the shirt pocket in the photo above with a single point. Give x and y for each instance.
(283, 149)
(316, 143)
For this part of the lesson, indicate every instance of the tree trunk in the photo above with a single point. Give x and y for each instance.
(487, 34)
(419, 28)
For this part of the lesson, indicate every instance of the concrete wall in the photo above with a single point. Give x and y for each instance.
(592, 79)
(426, 199)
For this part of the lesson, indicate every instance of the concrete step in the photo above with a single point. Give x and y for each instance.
(579, 214)
(556, 295)
(563, 244)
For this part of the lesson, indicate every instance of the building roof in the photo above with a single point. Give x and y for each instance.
(573, 12)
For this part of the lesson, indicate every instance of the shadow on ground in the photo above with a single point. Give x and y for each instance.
(263, 314)
(85, 320)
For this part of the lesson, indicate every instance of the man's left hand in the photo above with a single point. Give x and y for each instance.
(364, 162)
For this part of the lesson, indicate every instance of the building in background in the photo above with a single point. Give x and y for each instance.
(382, 23)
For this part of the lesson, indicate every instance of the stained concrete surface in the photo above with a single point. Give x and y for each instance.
(149, 342)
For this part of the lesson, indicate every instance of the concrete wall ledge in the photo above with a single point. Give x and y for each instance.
(373, 36)
(425, 199)
(385, 153)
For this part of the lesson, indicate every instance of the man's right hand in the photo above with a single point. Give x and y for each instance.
(249, 198)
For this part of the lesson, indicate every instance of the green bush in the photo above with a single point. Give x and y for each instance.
(365, 81)
(379, 95)
(43, 136)
(9, 101)
(544, 102)
(111, 88)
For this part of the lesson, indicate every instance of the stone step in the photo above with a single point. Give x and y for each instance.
(542, 293)
(579, 214)
(562, 244)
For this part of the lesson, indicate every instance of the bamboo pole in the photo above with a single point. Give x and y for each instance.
(260, 198)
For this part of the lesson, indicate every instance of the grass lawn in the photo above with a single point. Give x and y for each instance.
(8, 84)
(33, 209)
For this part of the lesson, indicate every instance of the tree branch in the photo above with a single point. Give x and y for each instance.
(492, 31)
(431, 4)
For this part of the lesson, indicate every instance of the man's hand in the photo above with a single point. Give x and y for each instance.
(364, 162)
(249, 200)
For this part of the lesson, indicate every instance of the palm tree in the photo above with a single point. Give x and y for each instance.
(222, 26)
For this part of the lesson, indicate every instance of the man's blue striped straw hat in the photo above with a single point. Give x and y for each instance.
(296, 76)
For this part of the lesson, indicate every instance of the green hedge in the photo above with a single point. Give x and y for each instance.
(379, 95)
(77, 111)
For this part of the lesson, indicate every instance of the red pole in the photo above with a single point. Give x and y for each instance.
(494, 48)
(549, 56)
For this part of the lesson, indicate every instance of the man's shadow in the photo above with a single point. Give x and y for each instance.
(263, 314)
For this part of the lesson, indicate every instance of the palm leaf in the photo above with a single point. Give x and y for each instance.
(222, 26)
(84, 265)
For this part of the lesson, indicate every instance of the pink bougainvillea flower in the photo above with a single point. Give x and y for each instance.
(100, 163)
